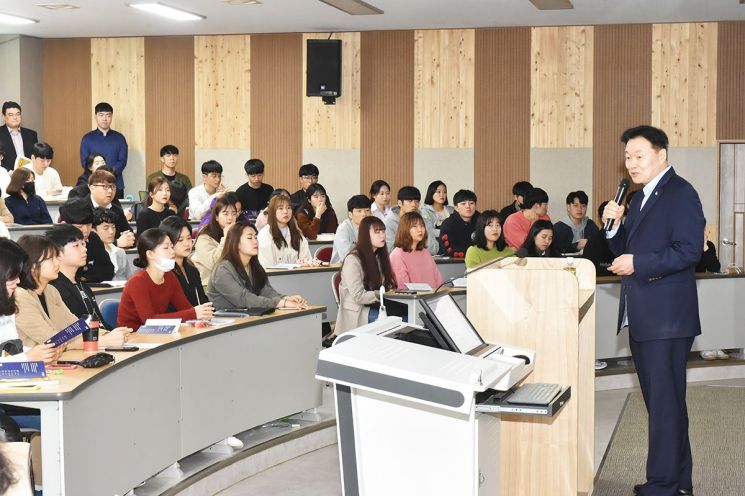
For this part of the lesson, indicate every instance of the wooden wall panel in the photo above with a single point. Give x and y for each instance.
(67, 102)
(335, 127)
(730, 70)
(118, 77)
(276, 106)
(169, 97)
(684, 76)
(387, 99)
(561, 83)
(622, 99)
(222, 94)
(443, 88)
(501, 113)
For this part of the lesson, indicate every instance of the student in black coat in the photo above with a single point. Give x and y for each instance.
(79, 213)
(539, 242)
(179, 231)
(159, 195)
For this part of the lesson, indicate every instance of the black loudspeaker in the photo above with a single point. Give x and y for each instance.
(324, 69)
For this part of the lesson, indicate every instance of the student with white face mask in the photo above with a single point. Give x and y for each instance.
(149, 293)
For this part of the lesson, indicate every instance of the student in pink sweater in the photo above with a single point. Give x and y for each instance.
(410, 259)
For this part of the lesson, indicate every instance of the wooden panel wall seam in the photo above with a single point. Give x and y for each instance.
(276, 107)
(387, 102)
(67, 105)
(222, 91)
(622, 99)
(730, 70)
(169, 97)
(501, 113)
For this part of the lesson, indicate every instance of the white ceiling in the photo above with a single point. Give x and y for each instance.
(100, 18)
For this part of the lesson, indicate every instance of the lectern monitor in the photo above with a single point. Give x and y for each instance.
(451, 323)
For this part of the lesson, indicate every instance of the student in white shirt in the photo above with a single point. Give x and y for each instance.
(200, 197)
(280, 240)
(358, 207)
(48, 182)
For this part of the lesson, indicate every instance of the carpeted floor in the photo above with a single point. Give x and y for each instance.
(717, 430)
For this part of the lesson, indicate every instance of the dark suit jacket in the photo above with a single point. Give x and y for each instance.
(665, 238)
(29, 138)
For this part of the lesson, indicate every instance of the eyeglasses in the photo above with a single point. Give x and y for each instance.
(309, 178)
(106, 187)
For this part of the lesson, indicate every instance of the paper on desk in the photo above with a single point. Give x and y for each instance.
(418, 286)
(461, 282)
(145, 346)
(285, 266)
(116, 284)
(7, 384)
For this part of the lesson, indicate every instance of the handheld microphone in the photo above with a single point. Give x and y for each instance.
(521, 253)
(623, 188)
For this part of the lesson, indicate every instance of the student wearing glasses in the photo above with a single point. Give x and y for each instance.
(102, 186)
(239, 280)
(315, 215)
(211, 239)
(308, 175)
(179, 231)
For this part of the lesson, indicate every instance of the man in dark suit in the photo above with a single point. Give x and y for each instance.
(657, 248)
(15, 139)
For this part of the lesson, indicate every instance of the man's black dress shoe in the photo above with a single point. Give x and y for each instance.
(681, 492)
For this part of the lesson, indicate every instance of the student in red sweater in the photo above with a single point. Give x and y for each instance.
(149, 292)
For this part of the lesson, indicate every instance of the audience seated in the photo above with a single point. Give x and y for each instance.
(254, 194)
(11, 131)
(81, 190)
(186, 272)
(102, 186)
(366, 268)
(4, 174)
(456, 232)
(211, 238)
(519, 191)
(159, 197)
(5, 215)
(539, 242)
(597, 250)
(149, 293)
(27, 207)
(239, 280)
(358, 207)
(264, 214)
(48, 182)
(201, 197)
(488, 242)
(407, 200)
(179, 183)
(280, 240)
(380, 194)
(436, 205)
(108, 142)
(41, 311)
(517, 225)
(308, 175)
(572, 232)
(99, 268)
(315, 214)
(92, 163)
(103, 226)
(410, 260)
(13, 260)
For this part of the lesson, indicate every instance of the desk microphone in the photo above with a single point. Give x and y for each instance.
(623, 188)
(520, 254)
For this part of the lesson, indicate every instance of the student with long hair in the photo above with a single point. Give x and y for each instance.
(365, 269)
(280, 240)
(380, 194)
(410, 259)
(13, 267)
(315, 214)
(41, 311)
(539, 242)
(179, 231)
(149, 293)
(239, 280)
(158, 199)
(488, 240)
(263, 216)
(436, 204)
(26, 206)
(211, 238)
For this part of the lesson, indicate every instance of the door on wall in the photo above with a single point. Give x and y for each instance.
(731, 247)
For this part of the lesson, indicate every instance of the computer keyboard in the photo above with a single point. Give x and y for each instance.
(534, 394)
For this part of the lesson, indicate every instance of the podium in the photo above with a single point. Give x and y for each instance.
(548, 305)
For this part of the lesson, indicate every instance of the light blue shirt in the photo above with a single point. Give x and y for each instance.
(647, 191)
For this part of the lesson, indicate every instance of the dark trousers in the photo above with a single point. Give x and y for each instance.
(661, 368)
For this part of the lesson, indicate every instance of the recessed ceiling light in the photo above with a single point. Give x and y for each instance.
(15, 20)
(242, 2)
(552, 4)
(58, 6)
(354, 7)
(172, 13)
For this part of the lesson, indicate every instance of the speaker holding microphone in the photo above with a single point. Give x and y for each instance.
(623, 188)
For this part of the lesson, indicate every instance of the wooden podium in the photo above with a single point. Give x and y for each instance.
(547, 306)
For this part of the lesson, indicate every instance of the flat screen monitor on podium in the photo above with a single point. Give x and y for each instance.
(451, 327)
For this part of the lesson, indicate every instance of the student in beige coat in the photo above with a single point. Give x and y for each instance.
(280, 240)
(211, 239)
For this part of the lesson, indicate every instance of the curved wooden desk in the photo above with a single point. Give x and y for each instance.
(106, 430)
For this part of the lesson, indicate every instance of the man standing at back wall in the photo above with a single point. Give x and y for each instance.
(16, 140)
(657, 248)
(109, 143)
